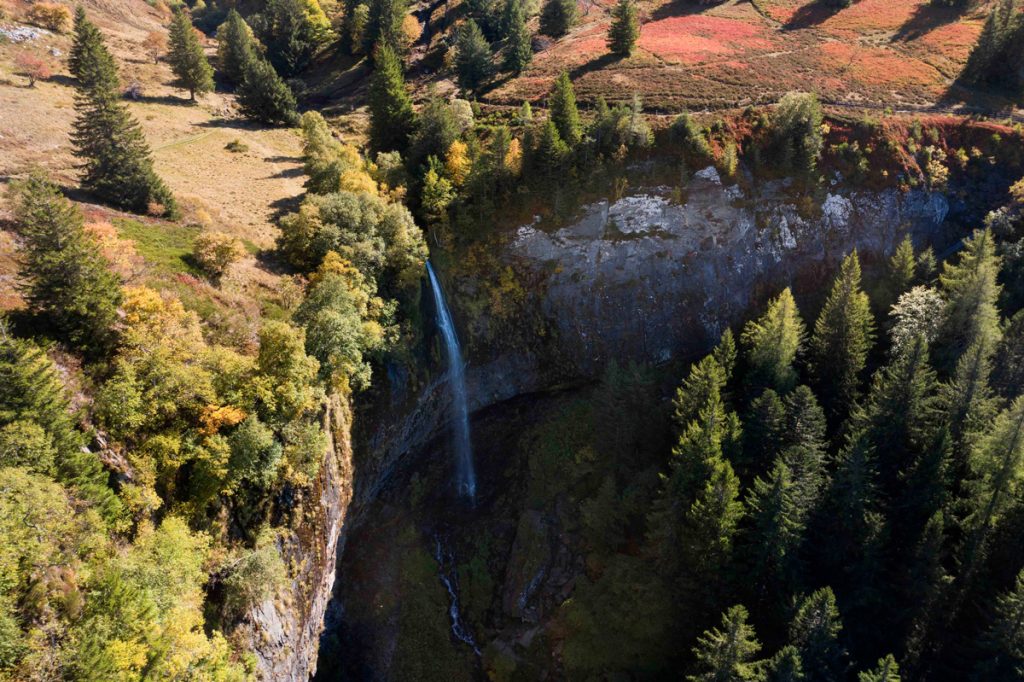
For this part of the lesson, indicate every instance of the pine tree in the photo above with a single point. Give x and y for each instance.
(814, 632)
(624, 30)
(292, 31)
(473, 57)
(971, 290)
(764, 431)
(705, 382)
(886, 671)
(234, 47)
(902, 273)
(1003, 642)
(551, 151)
(518, 45)
(566, 117)
(772, 343)
(31, 390)
(727, 654)
(557, 17)
(117, 163)
(264, 97)
(785, 666)
(384, 25)
(188, 61)
(392, 118)
(968, 402)
(776, 529)
(842, 338)
(89, 61)
(1008, 372)
(66, 278)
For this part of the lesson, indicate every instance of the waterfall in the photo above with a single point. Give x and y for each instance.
(465, 476)
(450, 580)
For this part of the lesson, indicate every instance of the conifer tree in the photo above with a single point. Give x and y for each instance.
(772, 343)
(726, 654)
(65, 277)
(624, 30)
(902, 273)
(518, 45)
(1003, 642)
(391, 114)
(785, 666)
(473, 57)
(776, 529)
(705, 382)
(117, 165)
(188, 61)
(1008, 370)
(562, 105)
(815, 634)
(725, 353)
(557, 17)
(551, 151)
(764, 431)
(967, 401)
(886, 671)
(264, 97)
(842, 339)
(234, 47)
(31, 390)
(384, 25)
(971, 290)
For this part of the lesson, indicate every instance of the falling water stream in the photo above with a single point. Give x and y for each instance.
(465, 476)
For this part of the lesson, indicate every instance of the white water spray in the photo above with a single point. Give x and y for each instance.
(465, 476)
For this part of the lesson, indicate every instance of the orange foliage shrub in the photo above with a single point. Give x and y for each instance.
(50, 15)
(33, 67)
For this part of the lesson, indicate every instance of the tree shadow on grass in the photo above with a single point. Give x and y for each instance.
(171, 100)
(595, 64)
(678, 8)
(811, 14)
(925, 19)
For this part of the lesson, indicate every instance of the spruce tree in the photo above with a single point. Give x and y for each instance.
(772, 343)
(391, 114)
(384, 25)
(726, 654)
(117, 164)
(65, 277)
(785, 666)
(557, 17)
(188, 61)
(1008, 370)
(902, 273)
(886, 671)
(563, 112)
(551, 151)
(814, 632)
(971, 289)
(705, 382)
(518, 44)
(776, 529)
(1003, 642)
(234, 47)
(842, 338)
(473, 57)
(764, 431)
(967, 401)
(264, 97)
(624, 31)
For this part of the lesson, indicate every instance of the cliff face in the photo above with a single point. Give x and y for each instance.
(649, 278)
(284, 631)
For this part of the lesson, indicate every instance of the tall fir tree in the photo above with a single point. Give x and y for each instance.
(518, 44)
(902, 271)
(188, 61)
(472, 57)
(1003, 642)
(384, 25)
(117, 164)
(264, 97)
(842, 338)
(624, 30)
(776, 530)
(971, 288)
(886, 670)
(785, 666)
(235, 47)
(764, 434)
(1008, 369)
(815, 632)
(727, 653)
(392, 118)
(772, 343)
(557, 17)
(563, 111)
(65, 277)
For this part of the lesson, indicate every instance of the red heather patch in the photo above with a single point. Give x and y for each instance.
(867, 16)
(876, 65)
(694, 38)
(952, 40)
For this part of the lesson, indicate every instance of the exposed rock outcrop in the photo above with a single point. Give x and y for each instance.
(284, 631)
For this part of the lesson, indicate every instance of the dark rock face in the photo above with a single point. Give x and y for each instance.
(284, 631)
(647, 279)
